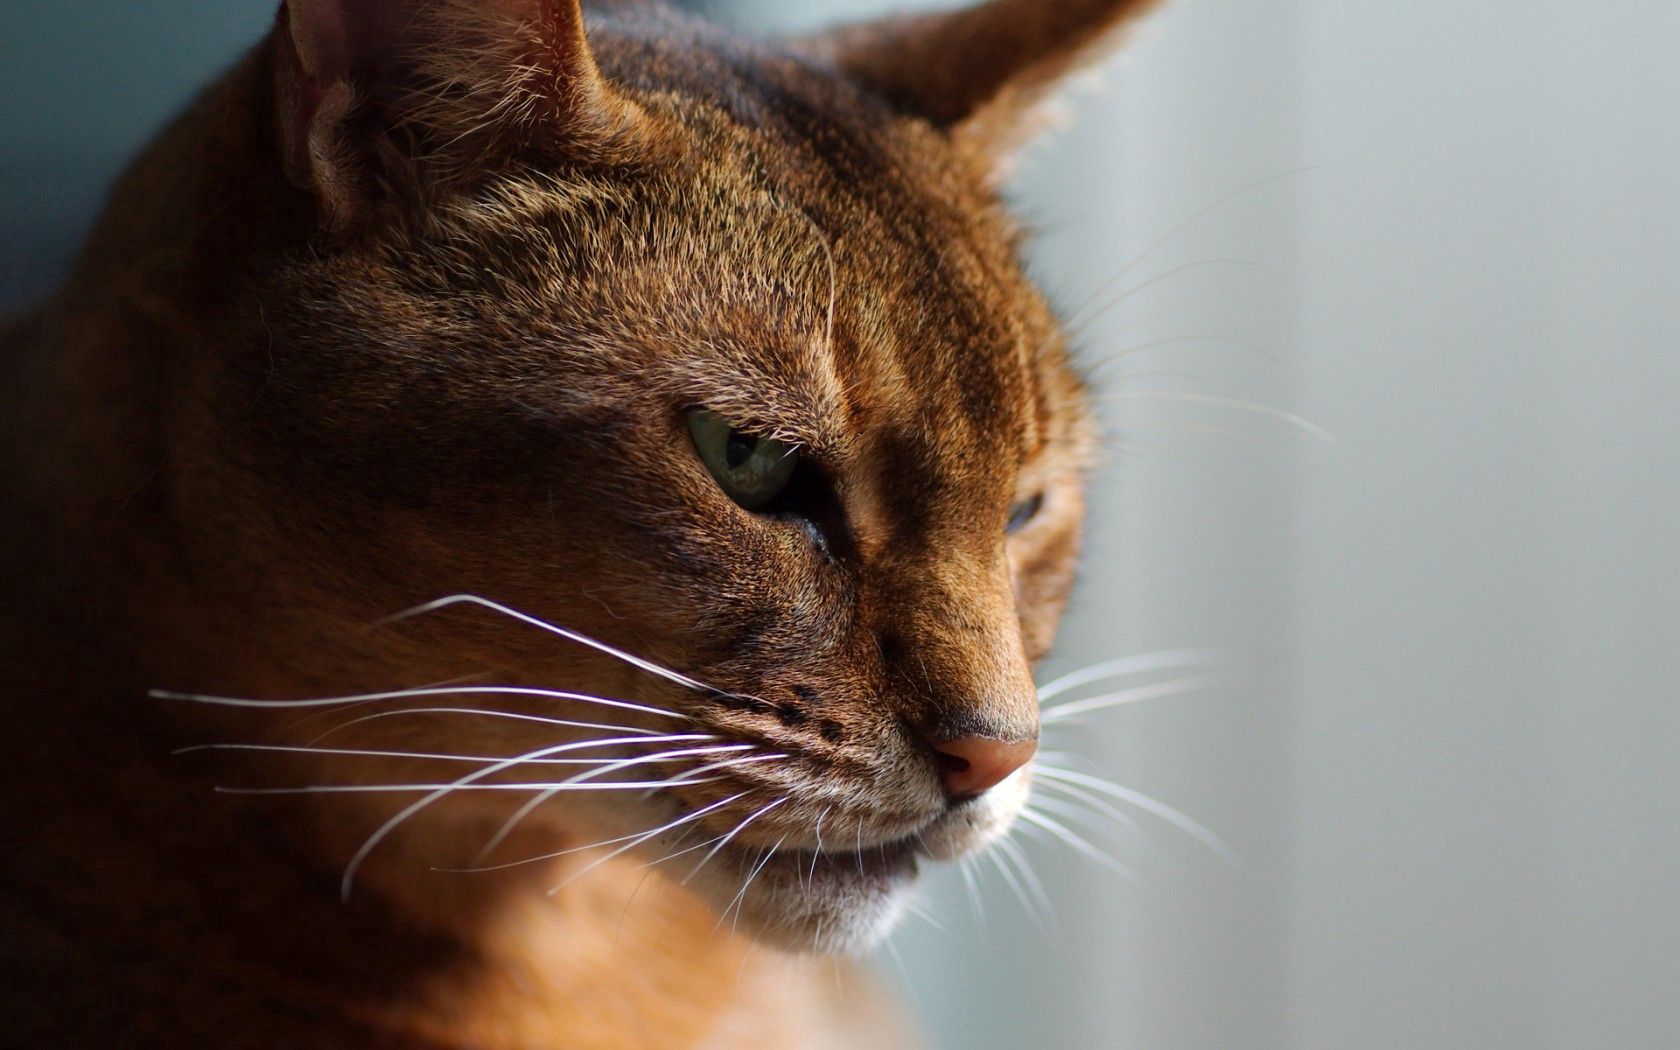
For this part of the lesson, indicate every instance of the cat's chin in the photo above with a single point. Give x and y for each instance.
(847, 901)
(831, 902)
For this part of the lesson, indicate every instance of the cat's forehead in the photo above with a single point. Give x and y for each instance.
(799, 259)
(828, 312)
(872, 217)
(767, 286)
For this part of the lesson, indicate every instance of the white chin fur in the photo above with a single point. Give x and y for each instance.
(847, 923)
(842, 905)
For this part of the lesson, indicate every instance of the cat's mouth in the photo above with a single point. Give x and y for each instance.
(816, 869)
(835, 864)
(842, 897)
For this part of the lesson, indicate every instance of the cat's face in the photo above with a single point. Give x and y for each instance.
(769, 404)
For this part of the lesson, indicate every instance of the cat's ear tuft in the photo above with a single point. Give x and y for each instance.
(361, 84)
(982, 73)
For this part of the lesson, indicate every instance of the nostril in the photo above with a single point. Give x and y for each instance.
(971, 765)
(950, 764)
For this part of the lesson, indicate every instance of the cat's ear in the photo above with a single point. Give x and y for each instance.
(360, 83)
(982, 73)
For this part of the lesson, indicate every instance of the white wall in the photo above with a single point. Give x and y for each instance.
(1488, 668)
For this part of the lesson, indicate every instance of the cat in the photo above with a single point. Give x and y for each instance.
(460, 396)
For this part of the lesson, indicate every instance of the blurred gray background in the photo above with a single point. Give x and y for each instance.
(1446, 741)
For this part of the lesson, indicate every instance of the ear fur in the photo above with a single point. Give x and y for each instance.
(979, 72)
(460, 78)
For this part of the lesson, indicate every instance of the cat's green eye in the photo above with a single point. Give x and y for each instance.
(751, 470)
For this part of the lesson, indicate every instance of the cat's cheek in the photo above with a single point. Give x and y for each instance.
(1043, 584)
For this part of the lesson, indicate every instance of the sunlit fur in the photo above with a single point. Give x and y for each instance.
(346, 342)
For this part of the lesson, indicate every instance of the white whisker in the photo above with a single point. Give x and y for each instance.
(1301, 423)
(1014, 852)
(649, 736)
(1171, 687)
(811, 874)
(520, 814)
(1098, 805)
(965, 866)
(724, 841)
(906, 981)
(1178, 228)
(730, 763)
(362, 789)
(1131, 425)
(1073, 839)
(689, 849)
(997, 856)
(324, 712)
(1084, 323)
(403, 694)
(634, 838)
(1156, 661)
(926, 915)
(570, 635)
(663, 859)
(426, 755)
(741, 894)
(1189, 825)
(415, 807)
(1121, 353)
(833, 273)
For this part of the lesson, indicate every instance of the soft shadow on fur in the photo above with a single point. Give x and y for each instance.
(478, 302)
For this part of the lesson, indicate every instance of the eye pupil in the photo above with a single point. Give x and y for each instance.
(750, 469)
(738, 449)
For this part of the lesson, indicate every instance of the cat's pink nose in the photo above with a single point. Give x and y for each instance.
(970, 765)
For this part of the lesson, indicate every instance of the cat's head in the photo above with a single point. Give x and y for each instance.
(718, 353)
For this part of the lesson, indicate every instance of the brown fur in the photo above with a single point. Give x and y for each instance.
(416, 307)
